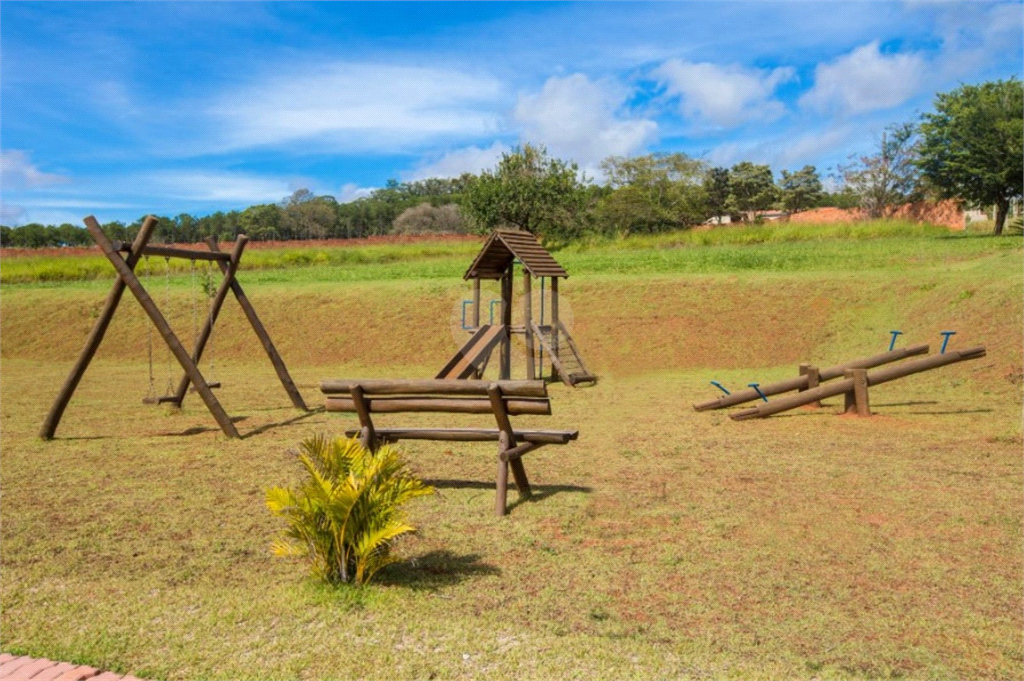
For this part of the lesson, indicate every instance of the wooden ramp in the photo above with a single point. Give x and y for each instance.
(472, 358)
(565, 356)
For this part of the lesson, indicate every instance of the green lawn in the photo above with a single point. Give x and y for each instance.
(663, 543)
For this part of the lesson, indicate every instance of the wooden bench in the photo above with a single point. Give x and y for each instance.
(501, 399)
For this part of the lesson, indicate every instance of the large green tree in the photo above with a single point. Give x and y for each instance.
(528, 190)
(972, 146)
(751, 188)
(716, 189)
(801, 189)
(653, 193)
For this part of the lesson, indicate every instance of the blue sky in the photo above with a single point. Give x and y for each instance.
(124, 109)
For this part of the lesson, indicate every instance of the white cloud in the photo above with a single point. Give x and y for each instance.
(583, 120)
(17, 172)
(724, 96)
(865, 80)
(214, 186)
(350, 192)
(788, 151)
(471, 159)
(350, 106)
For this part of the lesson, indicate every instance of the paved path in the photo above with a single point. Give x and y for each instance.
(14, 668)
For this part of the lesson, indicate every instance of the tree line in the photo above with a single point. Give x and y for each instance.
(970, 148)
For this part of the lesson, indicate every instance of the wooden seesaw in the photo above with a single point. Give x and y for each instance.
(854, 384)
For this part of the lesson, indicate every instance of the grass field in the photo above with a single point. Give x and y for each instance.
(663, 543)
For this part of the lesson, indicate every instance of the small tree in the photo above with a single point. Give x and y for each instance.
(972, 147)
(530, 191)
(890, 177)
(346, 515)
(751, 188)
(800, 190)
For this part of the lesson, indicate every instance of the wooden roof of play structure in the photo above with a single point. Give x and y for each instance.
(505, 245)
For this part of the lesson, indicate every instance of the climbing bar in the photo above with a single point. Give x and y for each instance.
(801, 382)
(847, 385)
(172, 252)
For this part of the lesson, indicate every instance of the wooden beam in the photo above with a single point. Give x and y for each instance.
(211, 318)
(548, 437)
(556, 368)
(172, 252)
(531, 372)
(419, 386)
(184, 359)
(99, 329)
(857, 399)
(540, 406)
(261, 333)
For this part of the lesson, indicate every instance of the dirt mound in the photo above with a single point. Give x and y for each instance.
(949, 213)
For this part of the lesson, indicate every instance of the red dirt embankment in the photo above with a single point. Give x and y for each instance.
(948, 213)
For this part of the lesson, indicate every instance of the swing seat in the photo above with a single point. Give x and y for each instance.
(158, 400)
(211, 385)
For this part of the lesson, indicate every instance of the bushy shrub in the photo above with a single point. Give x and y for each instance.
(424, 218)
(345, 516)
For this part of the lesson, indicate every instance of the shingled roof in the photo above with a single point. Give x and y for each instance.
(503, 246)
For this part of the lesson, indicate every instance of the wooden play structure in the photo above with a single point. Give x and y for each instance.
(501, 399)
(126, 278)
(496, 261)
(814, 385)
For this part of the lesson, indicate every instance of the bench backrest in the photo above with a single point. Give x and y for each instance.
(436, 395)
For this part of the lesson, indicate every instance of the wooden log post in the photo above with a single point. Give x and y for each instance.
(531, 372)
(99, 329)
(505, 368)
(261, 333)
(211, 319)
(813, 380)
(856, 400)
(476, 303)
(179, 351)
(554, 325)
(506, 440)
(368, 435)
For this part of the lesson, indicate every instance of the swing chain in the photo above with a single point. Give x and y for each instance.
(149, 345)
(167, 306)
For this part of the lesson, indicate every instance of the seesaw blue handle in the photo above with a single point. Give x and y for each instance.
(945, 340)
(754, 386)
(720, 387)
(892, 343)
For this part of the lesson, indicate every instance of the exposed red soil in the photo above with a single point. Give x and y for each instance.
(259, 245)
(949, 213)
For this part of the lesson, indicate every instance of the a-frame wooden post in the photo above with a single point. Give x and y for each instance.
(99, 329)
(211, 319)
(261, 333)
(177, 349)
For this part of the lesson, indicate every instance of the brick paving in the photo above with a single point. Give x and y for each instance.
(21, 668)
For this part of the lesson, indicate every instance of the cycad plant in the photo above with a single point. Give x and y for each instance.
(347, 513)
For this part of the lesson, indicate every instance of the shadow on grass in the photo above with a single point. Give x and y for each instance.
(912, 403)
(435, 570)
(287, 422)
(538, 492)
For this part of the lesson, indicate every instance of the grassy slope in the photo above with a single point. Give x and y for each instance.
(664, 543)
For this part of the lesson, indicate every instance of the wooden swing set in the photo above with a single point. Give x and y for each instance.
(126, 278)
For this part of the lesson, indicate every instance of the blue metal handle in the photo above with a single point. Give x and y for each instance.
(464, 304)
(892, 343)
(720, 387)
(754, 386)
(945, 340)
(493, 301)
